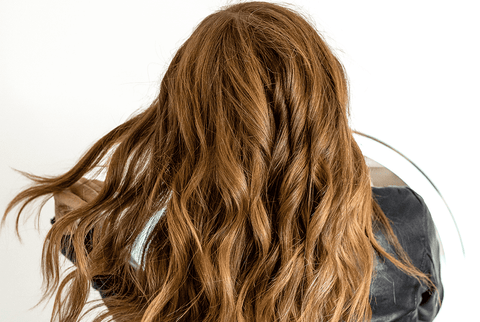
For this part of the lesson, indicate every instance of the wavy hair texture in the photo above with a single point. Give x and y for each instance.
(269, 214)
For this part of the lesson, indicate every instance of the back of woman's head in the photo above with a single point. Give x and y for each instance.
(267, 201)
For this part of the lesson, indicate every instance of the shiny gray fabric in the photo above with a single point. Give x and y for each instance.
(394, 296)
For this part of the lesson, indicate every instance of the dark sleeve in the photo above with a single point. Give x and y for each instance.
(99, 283)
(429, 304)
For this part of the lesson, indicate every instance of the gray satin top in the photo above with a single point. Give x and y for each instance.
(395, 296)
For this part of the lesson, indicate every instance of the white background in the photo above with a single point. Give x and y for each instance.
(70, 71)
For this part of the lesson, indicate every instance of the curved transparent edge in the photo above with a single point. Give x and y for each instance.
(416, 179)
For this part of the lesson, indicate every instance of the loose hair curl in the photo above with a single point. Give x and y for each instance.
(269, 214)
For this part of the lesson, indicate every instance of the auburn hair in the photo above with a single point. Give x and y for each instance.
(268, 207)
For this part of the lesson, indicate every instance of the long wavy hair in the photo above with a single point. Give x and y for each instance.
(268, 207)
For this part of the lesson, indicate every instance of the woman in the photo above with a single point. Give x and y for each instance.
(260, 197)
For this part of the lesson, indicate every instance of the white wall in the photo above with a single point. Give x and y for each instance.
(71, 71)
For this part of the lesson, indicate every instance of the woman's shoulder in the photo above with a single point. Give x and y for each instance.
(409, 218)
(394, 295)
(406, 210)
(399, 202)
